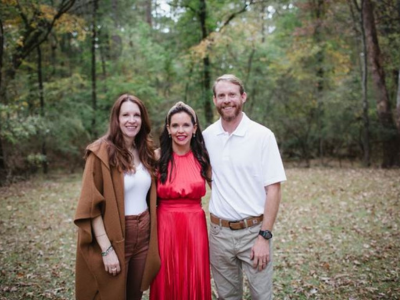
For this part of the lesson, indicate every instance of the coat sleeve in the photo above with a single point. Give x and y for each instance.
(91, 199)
(91, 280)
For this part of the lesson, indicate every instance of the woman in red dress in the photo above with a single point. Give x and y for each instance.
(184, 168)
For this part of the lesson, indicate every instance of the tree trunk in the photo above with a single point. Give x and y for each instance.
(1, 58)
(53, 59)
(390, 138)
(358, 19)
(398, 85)
(2, 99)
(103, 69)
(104, 51)
(320, 74)
(398, 103)
(41, 97)
(149, 18)
(114, 4)
(249, 65)
(208, 111)
(207, 91)
(263, 8)
(364, 83)
(254, 93)
(94, 95)
(187, 85)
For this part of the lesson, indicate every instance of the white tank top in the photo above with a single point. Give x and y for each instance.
(136, 186)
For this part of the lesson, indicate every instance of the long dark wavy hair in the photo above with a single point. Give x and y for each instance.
(118, 153)
(196, 144)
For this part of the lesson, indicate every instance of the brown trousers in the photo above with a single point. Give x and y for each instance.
(137, 235)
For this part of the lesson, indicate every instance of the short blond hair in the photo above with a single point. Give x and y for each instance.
(229, 78)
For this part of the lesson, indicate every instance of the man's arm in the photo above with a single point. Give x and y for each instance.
(260, 251)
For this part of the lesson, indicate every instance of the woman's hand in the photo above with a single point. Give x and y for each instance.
(110, 258)
(111, 263)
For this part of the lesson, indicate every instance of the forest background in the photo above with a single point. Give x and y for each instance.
(323, 75)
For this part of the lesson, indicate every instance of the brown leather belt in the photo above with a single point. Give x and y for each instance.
(236, 225)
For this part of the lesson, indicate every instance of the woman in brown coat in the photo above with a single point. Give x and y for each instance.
(117, 252)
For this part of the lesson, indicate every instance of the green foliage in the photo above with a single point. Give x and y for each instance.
(302, 74)
(17, 126)
(36, 160)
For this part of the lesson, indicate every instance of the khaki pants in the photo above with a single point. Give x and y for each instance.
(137, 235)
(230, 256)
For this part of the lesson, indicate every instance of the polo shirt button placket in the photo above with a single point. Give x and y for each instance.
(226, 152)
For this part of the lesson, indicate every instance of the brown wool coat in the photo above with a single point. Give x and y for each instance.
(103, 194)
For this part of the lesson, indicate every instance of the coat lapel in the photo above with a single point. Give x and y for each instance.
(118, 181)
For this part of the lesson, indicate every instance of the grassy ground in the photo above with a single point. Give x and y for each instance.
(337, 236)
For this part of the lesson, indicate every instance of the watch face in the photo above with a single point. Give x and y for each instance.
(266, 234)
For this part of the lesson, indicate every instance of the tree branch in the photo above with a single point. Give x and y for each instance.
(242, 10)
(23, 16)
(234, 14)
(34, 38)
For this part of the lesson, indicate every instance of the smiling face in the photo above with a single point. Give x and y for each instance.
(181, 129)
(130, 121)
(228, 100)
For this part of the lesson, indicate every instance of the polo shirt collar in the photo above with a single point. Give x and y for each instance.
(240, 130)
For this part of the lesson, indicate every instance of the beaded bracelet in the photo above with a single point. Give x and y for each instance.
(109, 249)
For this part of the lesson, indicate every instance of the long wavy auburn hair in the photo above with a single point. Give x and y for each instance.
(197, 146)
(118, 152)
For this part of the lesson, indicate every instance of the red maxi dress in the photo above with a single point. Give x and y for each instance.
(182, 234)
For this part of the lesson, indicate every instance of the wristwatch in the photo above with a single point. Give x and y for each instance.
(266, 234)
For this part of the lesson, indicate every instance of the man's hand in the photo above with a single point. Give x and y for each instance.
(260, 253)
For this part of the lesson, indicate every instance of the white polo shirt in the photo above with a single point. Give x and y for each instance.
(243, 163)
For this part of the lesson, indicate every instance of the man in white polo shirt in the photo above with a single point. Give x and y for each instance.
(247, 171)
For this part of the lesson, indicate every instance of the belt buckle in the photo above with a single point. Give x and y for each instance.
(237, 222)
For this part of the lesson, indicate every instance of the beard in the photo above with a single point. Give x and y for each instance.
(229, 116)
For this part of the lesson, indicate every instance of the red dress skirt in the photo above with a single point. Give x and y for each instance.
(182, 234)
